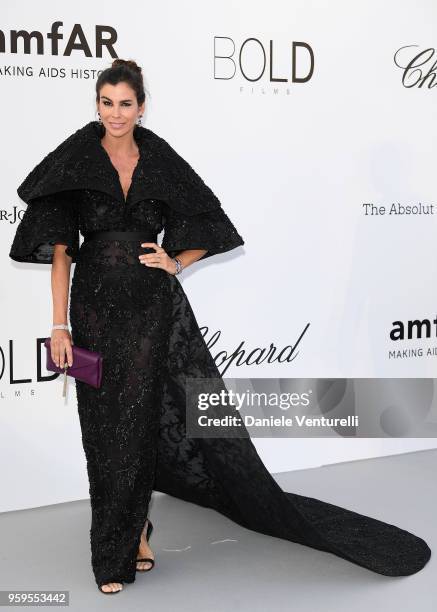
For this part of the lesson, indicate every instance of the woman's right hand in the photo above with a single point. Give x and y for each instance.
(60, 344)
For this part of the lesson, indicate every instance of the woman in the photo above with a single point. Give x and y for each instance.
(120, 184)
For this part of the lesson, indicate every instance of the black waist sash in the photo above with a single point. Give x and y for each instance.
(141, 236)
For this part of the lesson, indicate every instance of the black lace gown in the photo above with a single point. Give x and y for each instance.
(139, 318)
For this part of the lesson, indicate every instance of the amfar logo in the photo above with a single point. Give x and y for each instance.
(411, 330)
(76, 41)
(254, 60)
(418, 68)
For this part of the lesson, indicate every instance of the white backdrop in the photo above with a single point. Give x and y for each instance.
(292, 162)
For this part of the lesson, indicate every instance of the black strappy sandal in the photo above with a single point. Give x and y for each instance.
(152, 561)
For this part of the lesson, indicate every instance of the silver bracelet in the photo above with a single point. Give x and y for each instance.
(178, 265)
(60, 326)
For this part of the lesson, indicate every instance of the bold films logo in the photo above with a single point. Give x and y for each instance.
(259, 66)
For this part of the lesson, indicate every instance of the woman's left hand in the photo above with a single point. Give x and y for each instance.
(159, 259)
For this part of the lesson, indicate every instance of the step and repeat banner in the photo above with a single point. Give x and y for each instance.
(314, 123)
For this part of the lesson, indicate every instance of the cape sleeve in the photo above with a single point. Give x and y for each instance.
(193, 217)
(48, 220)
(212, 230)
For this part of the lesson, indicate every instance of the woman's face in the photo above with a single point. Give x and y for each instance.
(118, 108)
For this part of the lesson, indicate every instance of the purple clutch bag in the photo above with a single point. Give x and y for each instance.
(87, 365)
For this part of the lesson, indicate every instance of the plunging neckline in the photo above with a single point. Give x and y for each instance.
(125, 197)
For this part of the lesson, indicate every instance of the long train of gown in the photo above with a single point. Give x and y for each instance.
(228, 475)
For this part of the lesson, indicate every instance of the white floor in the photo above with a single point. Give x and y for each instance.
(205, 562)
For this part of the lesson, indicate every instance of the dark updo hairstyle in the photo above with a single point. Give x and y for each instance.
(123, 71)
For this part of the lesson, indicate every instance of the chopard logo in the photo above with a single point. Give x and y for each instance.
(418, 68)
(241, 356)
(34, 42)
(254, 60)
